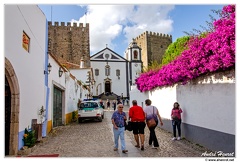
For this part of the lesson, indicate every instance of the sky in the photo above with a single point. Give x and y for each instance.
(115, 26)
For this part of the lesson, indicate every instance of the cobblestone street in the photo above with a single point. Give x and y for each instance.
(95, 139)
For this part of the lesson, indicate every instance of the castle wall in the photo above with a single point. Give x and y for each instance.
(153, 46)
(69, 43)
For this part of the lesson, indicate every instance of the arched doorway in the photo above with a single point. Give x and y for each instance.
(7, 116)
(12, 101)
(107, 86)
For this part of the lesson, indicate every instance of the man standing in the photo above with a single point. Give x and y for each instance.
(137, 116)
(108, 104)
(114, 105)
(118, 120)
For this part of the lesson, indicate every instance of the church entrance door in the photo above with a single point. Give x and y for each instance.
(107, 87)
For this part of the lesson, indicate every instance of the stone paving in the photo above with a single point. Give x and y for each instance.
(95, 139)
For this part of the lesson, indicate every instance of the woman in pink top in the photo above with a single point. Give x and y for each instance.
(176, 120)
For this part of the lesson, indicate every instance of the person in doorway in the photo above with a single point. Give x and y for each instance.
(108, 104)
(118, 119)
(152, 111)
(176, 120)
(137, 116)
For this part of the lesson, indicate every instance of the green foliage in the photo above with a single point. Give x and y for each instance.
(175, 49)
(153, 66)
(74, 116)
(29, 138)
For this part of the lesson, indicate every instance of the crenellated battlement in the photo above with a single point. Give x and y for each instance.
(63, 24)
(161, 35)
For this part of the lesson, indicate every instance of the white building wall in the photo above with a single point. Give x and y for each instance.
(81, 75)
(210, 106)
(72, 96)
(69, 86)
(28, 66)
(207, 105)
(163, 99)
(54, 81)
(118, 85)
(136, 70)
(135, 94)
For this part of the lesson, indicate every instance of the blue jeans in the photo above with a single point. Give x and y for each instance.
(119, 133)
(176, 124)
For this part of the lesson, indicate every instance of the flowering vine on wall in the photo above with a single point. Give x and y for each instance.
(215, 52)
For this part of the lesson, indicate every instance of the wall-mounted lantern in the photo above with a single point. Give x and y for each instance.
(60, 72)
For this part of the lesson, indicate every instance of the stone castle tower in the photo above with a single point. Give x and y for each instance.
(153, 46)
(69, 43)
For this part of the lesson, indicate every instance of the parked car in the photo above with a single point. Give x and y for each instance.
(90, 110)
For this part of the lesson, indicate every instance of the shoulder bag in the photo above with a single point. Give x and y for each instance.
(151, 122)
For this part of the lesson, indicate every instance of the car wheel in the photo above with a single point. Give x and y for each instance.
(102, 116)
(100, 119)
(80, 120)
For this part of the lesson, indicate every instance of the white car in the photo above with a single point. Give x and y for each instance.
(90, 110)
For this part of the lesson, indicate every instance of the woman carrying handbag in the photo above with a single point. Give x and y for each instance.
(152, 112)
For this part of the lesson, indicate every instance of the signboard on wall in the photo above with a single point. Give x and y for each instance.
(25, 41)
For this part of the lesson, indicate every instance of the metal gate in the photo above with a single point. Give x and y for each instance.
(57, 107)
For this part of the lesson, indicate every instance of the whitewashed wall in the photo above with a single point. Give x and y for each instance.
(136, 70)
(118, 85)
(135, 94)
(72, 95)
(208, 105)
(29, 67)
(69, 86)
(54, 80)
(81, 74)
(163, 99)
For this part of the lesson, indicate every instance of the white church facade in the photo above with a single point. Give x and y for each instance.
(114, 74)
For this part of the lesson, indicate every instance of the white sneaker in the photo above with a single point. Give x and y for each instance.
(174, 138)
(179, 138)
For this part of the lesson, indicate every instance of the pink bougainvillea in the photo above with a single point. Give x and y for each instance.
(215, 52)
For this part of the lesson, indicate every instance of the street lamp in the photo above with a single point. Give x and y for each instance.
(60, 72)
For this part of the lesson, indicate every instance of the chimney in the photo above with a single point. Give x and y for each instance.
(82, 63)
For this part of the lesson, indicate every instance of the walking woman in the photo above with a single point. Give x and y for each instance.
(176, 120)
(149, 112)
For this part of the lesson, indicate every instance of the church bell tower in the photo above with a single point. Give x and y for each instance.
(133, 55)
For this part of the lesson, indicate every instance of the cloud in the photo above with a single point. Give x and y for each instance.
(108, 22)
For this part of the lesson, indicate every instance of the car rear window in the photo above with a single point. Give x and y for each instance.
(88, 105)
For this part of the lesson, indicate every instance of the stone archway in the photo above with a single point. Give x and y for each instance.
(15, 101)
